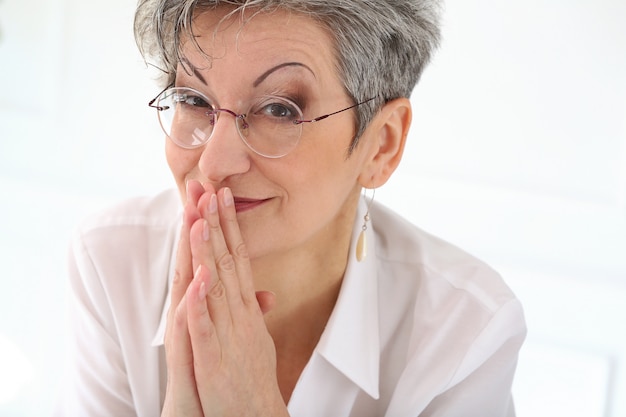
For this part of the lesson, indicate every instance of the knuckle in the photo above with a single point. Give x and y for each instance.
(217, 290)
(179, 318)
(204, 333)
(178, 277)
(214, 227)
(226, 262)
(241, 251)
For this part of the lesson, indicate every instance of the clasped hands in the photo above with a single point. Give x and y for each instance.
(221, 359)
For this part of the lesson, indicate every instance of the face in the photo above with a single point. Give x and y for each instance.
(301, 200)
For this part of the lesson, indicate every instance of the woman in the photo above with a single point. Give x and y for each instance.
(284, 292)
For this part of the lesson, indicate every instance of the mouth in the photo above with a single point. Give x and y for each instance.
(247, 204)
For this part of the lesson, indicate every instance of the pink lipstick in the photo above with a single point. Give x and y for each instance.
(245, 204)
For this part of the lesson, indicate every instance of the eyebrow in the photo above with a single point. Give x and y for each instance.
(199, 76)
(188, 66)
(260, 79)
(267, 73)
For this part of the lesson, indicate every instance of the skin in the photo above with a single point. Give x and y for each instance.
(256, 282)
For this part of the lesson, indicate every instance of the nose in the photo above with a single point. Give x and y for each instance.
(225, 154)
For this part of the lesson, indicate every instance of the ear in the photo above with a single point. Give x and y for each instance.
(385, 139)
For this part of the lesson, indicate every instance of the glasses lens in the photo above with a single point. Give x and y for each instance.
(186, 117)
(270, 127)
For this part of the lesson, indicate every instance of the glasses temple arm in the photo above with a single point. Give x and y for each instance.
(159, 108)
(317, 119)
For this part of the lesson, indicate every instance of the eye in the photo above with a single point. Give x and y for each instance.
(280, 110)
(191, 100)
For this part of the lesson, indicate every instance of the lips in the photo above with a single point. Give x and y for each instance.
(245, 204)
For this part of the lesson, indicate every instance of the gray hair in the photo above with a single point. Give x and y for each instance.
(382, 46)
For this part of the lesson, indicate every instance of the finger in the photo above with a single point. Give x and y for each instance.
(236, 246)
(182, 393)
(202, 253)
(266, 300)
(183, 271)
(205, 343)
(184, 268)
(222, 260)
(199, 244)
(194, 191)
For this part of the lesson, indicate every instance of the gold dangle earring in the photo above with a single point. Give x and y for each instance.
(361, 243)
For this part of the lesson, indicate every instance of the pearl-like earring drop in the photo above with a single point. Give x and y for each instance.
(361, 243)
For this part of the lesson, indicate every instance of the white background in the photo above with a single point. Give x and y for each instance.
(518, 154)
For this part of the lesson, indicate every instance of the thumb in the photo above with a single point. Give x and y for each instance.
(266, 300)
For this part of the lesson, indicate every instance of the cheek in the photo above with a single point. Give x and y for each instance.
(181, 162)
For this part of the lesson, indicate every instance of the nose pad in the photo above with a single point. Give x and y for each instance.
(242, 128)
(239, 122)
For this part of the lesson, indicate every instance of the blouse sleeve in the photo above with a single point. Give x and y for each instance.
(96, 382)
(481, 385)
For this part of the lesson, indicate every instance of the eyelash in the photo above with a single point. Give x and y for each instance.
(297, 98)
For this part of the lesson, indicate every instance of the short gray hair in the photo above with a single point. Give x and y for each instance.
(382, 46)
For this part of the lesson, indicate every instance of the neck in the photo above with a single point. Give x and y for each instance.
(309, 273)
(307, 285)
(307, 278)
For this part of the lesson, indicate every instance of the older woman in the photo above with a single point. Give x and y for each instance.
(278, 290)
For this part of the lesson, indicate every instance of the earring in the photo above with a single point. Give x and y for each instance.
(361, 243)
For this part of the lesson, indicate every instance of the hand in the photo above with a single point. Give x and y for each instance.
(221, 359)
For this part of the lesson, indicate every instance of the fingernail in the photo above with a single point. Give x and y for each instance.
(228, 197)
(205, 230)
(202, 291)
(187, 189)
(213, 204)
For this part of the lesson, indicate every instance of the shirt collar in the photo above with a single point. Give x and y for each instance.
(350, 341)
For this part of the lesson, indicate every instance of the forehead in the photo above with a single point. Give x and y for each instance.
(254, 41)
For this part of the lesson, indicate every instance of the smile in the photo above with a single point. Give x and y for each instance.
(246, 204)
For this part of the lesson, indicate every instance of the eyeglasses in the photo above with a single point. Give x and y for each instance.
(271, 127)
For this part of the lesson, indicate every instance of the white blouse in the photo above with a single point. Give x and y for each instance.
(420, 328)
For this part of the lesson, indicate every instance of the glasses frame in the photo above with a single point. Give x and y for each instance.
(242, 116)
